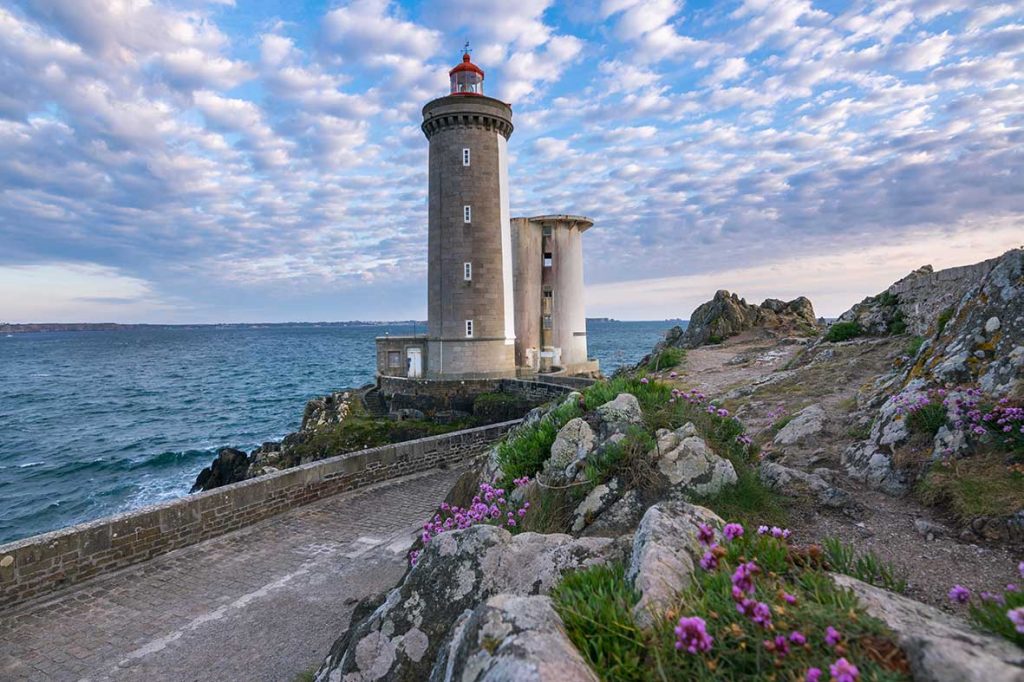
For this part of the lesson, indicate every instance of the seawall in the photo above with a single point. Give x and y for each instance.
(45, 563)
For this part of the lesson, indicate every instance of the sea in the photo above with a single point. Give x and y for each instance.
(94, 423)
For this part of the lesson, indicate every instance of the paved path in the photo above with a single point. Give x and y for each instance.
(263, 603)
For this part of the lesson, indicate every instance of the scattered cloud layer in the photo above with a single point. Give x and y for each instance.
(192, 161)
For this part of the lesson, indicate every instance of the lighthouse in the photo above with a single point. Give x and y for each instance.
(470, 306)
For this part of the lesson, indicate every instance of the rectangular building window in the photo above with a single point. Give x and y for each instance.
(467, 214)
(547, 321)
(546, 231)
(547, 259)
(469, 329)
(465, 156)
(467, 272)
(548, 293)
(394, 359)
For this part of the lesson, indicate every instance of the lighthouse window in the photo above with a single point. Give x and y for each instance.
(467, 214)
(465, 156)
(469, 329)
(467, 272)
(547, 322)
(394, 359)
(547, 259)
(548, 293)
(546, 231)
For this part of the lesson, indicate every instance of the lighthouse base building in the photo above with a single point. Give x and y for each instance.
(505, 295)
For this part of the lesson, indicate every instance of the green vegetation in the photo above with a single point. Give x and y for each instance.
(649, 394)
(306, 675)
(981, 485)
(524, 453)
(790, 581)
(927, 419)
(595, 606)
(715, 339)
(749, 501)
(914, 345)
(944, 317)
(867, 567)
(991, 615)
(898, 324)
(666, 359)
(842, 331)
(887, 299)
(626, 459)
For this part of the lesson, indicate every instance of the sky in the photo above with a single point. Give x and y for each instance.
(261, 160)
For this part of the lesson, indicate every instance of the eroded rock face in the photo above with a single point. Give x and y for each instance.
(789, 481)
(457, 571)
(230, 466)
(597, 501)
(511, 637)
(727, 314)
(805, 429)
(939, 647)
(665, 552)
(620, 518)
(329, 409)
(573, 443)
(686, 461)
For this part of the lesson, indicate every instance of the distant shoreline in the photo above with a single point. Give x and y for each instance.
(37, 327)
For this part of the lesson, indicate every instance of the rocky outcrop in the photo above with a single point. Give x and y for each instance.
(511, 637)
(804, 429)
(404, 637)
(573, 443)
(686, 461)
(790, 481)
(616, 416)
(326, 410)
(728, 315)
(230, 466)
(665, 552)
(939, 647)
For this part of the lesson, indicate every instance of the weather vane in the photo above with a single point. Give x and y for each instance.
(465, 48)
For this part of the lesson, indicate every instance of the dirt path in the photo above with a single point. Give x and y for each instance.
(884, 524)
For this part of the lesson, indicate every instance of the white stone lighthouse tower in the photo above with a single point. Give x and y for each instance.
(470, 308)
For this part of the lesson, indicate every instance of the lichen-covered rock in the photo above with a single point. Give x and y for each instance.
(619, 414)
(790, 481)
(665, 551)
(573, 443)
(328, 409)
(805, 429)
(686, 461)
(511, 638)
(596, 501)
(939, 647)
(619, 519)
(727, 314)
(456, 572)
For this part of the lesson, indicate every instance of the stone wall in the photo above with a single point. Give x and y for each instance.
(432, 395)
(42, 564)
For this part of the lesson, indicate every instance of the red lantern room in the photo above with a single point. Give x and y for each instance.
(467, 78)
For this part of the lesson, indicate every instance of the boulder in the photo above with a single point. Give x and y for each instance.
(511, 637)
(790, 481)
(573, 443)
(939, 647)
(804, 429)
(230, 466)
(456, 572)
(619, 414)
(687, 462)
(326, 410)
(665, 552)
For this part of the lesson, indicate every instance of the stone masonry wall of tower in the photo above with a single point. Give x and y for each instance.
(482, 125)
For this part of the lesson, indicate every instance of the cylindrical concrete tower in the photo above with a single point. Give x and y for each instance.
(551, 323)
(470, 309)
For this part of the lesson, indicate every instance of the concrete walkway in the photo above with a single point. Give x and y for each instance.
(263, 603)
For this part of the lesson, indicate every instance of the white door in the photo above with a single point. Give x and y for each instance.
(415, 363)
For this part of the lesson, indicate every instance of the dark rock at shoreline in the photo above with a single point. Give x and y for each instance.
(230, 466)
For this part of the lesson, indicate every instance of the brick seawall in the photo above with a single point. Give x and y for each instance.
(45, 563)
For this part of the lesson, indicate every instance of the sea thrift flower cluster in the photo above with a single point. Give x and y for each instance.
(832, 636)
(844, 671)
(732, 531)
(1016, 617)
(959, 594)
(775, 532)
(965, 405)
(692, 635)
(490, 506)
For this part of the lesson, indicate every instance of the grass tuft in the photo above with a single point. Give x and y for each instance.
(981, 485)
(666, 359)
(866, 567)
(842, 331)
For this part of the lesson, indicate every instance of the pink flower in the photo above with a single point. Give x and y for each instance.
(797, 637)
(732, 531)
(705, 534)
(813, 675)
(832, 636)
(844, 671)
(790, 599)
(959, 594)
(692, 635)
(645, 380)
(743, 577)
(1020, 569)
(1016, 617)
(762, 614)
(709, 561)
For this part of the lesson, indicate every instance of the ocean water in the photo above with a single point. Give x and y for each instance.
(96, 423)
